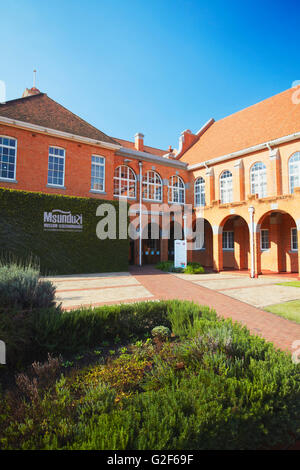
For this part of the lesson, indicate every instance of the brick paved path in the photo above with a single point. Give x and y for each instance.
(162, 285)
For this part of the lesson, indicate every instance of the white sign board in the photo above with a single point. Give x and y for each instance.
(62, 221)
(180, 256)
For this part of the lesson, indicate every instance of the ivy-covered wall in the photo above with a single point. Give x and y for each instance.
(65, 251)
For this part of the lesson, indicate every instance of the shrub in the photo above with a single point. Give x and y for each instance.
(161, 333)
(21, 288)
(215, 387)
(191, 268)
(194, 268)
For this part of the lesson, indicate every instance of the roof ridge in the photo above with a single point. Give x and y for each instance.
(23, 98)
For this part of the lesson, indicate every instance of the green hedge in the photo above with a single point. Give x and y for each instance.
(22, 234)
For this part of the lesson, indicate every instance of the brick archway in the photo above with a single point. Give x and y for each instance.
(203, 254)
(277, 243)
(234, 243)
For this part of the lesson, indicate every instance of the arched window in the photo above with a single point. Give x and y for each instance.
(199, 190)
(258, 179)
(152, 186)
(176, 190)
(124, 182)
(8, 155)
(294, 171)
(226, 187)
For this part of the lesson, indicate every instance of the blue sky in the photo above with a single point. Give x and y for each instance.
(156, 67)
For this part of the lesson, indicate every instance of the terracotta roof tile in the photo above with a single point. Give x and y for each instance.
(267, 120)
(41, 110)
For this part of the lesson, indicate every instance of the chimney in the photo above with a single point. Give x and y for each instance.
(139, 142)
(30, 92)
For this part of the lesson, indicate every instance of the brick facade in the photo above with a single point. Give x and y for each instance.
(278, 212)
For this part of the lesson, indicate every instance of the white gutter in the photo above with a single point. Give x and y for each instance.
(126, 152)
(140, 240)
(251, 212)
(54, 132)
(255, 148)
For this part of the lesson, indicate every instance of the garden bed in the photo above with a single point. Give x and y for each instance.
(109, 384)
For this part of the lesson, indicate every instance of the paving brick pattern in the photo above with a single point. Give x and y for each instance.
(281, 332)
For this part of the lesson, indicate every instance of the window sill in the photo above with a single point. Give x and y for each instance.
(124, 197)
(265, 249)
(228, 249)
(6, 180)
(55, 186)
(95, 191)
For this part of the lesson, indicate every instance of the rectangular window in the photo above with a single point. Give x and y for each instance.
(98, 173)
(8, 154)
(56, 166)
(228, 241)
(294, 239)
(264, 239)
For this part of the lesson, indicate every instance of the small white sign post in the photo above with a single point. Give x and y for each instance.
(180, 255)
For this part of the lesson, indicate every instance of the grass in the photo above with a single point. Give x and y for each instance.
(289, 310)
(289, 283)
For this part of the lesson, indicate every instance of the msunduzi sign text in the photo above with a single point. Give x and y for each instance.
(62, 221)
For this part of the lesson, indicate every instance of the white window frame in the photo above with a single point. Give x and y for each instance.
(2, 178)
(128, 180)
(294, 159)
(261, 239)
(62, 157)
(292, 239)
(226, 187)
(258, 179)
(228, 239)
(199, 191)
(147, 184)
(98, 164)
(176, 188)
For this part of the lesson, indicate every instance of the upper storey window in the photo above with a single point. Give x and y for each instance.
(124, 182)
(98, 173)
(199, 191)
(176, 190)
(8, 155)
(152, 186)
(294, 171)
(226, 191)
(258, 179)
(56, 166)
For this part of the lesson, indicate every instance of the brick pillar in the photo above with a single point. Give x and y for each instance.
(276, 177)
(217, 249)
(164, 249)
(257, 250)
(275, 238)
(239, 181)
(210, 186)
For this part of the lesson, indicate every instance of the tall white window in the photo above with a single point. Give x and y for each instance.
(294, 171)
(264, 239)
(56, 166)
(258, 179)
(152, 186)
(228, 240)
(294, 239)
(176, 190)
(199, 190)
(124, 182)
(8, 155)
(226, 187)
(98, 173)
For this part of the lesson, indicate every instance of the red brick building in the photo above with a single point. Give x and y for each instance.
(241, 175)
